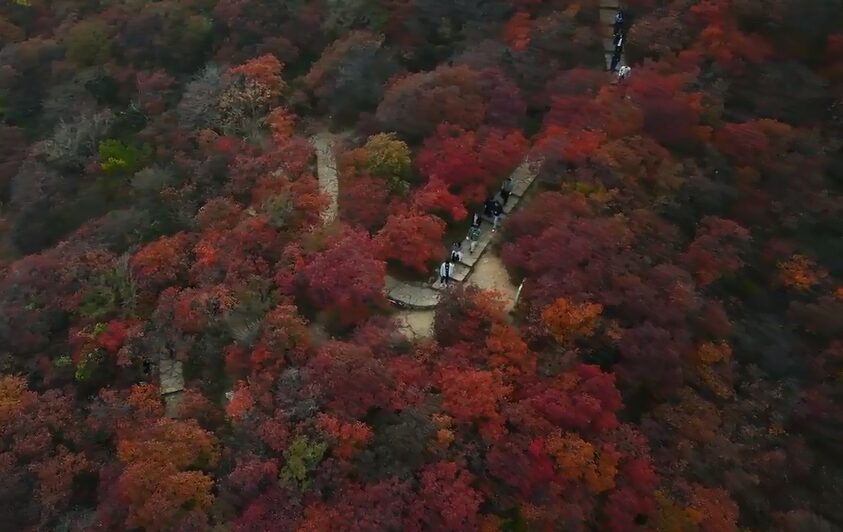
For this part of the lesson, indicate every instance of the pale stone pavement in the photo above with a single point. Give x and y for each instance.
(415, 324)
(326, 169)
(491, 274)
(171, 377)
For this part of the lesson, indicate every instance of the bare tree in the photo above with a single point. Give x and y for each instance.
(72, 143)
(199, 106)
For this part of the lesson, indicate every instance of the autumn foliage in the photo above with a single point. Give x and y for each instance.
(469, 163)
(413, 240)
(566, 321)
(188, 344)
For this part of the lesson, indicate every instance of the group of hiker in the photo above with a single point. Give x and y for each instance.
(618, 38)
(493, 208)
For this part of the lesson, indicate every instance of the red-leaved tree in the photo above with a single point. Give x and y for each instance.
(413, 239)
(346, 278)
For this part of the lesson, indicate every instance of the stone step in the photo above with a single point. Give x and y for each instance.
(171, 376)
(523, 179)
(463, 271)
(486, 234)
(607, 17)
(410, 296)
(488, 220)
(424, 296)
(460, 272)
(521, 189)
(511, 204)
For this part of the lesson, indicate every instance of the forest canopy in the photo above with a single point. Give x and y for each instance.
(196, 327)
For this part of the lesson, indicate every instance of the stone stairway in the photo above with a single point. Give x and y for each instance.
(522, 178)
(608, 8)
(422, 296)
(326, 170)
(171, 384)
(417, 296)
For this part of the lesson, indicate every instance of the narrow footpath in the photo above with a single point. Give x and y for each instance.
(326, 169)
(171, 371)
(608, 8)
(424, 296)
(483, 269)
(416, 299)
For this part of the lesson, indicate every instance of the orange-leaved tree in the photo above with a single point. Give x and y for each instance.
(568, 321)
(163, 482)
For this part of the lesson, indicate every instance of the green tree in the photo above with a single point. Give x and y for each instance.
(112, 293)
(388, 157)
(301, 458)
(115, 156)
(88, 43)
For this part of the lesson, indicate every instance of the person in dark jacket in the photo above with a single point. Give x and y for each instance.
(487, 206)
(456, 252)
(497, 212)
(473, 237)
(618, 23)
(616, 58)
(616, 39)
(506, 189)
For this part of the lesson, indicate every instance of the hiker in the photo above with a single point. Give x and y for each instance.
(616, 58)
(618, 24)
(445, 273)
(506, 189)
(476, 220)
(497, 212)
(473, 237)
(456, 252)
(617, 39)
(623, 72)
(488, 206)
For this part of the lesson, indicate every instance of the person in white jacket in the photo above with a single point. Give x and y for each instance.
(445, 273)
(623, 72)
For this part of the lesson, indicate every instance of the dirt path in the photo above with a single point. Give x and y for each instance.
(490, 274)
(415, 324)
